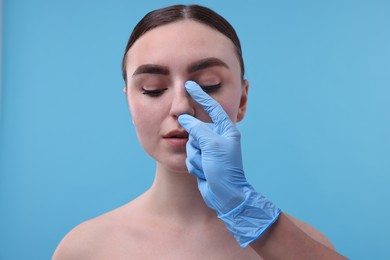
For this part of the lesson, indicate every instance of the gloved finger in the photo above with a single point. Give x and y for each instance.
(199, 130)
(193, 170)
(188, 122)
(194, 160)
(193, 142)
(212, 107)
(204, 191)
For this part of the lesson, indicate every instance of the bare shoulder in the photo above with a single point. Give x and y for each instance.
(88, 239)
(311, 231)
(80, 241)
(74, 244)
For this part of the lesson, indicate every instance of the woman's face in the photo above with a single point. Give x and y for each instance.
(158, 65)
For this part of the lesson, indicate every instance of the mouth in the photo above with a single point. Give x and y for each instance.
(177, 134)
(184, 136)
(177, 139)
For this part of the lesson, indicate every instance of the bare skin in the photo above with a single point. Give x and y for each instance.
(163, 223)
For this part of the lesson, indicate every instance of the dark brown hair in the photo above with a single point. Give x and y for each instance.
(176, 13)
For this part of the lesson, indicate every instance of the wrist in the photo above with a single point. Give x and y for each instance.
(251, 218)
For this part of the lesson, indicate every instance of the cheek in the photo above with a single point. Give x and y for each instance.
(230, 104)
(144, 118)
(231, 108)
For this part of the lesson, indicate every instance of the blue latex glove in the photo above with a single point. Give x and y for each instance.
(214, 157)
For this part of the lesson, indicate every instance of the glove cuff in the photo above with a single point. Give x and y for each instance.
(251, 218)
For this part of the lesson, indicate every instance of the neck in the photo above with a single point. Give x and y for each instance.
(176, 194)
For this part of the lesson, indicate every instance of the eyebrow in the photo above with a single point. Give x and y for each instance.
(206, 63)
(193, 67)
(151, 69)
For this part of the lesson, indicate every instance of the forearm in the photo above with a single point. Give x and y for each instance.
(284, 240)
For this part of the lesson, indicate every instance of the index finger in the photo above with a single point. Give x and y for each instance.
(212, 107)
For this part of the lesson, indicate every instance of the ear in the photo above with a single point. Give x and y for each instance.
(243, 101)
(125, 92)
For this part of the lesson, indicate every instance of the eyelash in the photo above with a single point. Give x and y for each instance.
(158, 92)
(153, 92)
(211, 88)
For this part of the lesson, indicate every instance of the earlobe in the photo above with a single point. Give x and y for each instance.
(124, 90)
(243, 101)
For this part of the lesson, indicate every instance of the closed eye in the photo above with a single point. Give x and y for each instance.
(211, 88)
(153, 92)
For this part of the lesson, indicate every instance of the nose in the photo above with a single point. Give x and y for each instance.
(182, 103)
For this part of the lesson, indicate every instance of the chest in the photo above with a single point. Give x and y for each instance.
(160, 245)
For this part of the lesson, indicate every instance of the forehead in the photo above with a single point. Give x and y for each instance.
(181, 42)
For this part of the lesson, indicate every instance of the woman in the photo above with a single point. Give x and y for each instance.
(211, 213)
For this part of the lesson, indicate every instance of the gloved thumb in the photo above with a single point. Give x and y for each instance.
(187, 122)
(200, 131)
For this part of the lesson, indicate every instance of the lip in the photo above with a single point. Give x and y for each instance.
(177, 133)
(176, 138)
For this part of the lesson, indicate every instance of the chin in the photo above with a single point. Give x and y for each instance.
(175, 164)
(179, 168)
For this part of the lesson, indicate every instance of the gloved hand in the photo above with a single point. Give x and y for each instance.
(214, 157)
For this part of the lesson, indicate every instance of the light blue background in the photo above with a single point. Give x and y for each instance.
(316, 138)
